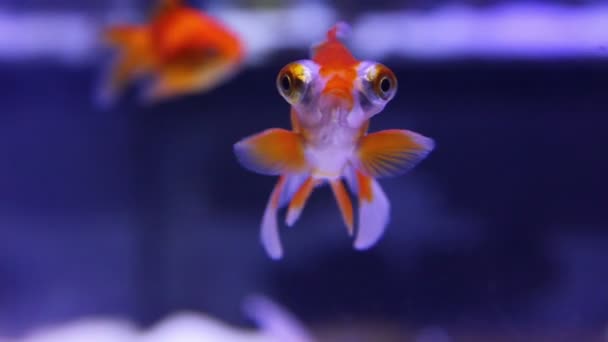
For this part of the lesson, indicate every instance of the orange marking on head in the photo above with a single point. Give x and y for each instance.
(337, 64)
(332, 53)
(341, 86)
(365, 187)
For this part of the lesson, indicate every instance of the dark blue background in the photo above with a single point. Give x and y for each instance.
(140, 211)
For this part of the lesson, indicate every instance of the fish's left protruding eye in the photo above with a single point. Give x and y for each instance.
(293, 82)
(382, 83)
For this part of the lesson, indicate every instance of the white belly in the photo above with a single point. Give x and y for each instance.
(330, 149)
(328, 162)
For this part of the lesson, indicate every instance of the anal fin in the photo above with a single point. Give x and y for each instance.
(344, 203)
(299, 201)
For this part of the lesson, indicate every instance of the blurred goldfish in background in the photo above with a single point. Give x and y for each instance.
(180, 51)
(332, 97)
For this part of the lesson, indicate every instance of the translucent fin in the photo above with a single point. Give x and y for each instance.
(340, 30)
(374, 209)
(351, 179)
(391, 152)
(299, 201)
(332, 50)
(269, 233)
(132, 60)
(344, 203)
(273, 152)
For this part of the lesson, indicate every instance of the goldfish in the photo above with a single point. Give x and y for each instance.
(333, 96)
(180, 51)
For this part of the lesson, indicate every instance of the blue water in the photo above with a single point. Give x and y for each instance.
(140, 211)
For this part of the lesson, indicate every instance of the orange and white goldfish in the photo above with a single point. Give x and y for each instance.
(332, 97)
(180, 51)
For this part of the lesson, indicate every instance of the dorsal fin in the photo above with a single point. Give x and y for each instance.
(332, 48)
(164, 6)
(340, 30)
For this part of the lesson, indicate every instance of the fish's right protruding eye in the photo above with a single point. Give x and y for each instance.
(384, 82)
(293, 81)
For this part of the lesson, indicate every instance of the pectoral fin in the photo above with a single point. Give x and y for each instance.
(273, 152)
(391, 152)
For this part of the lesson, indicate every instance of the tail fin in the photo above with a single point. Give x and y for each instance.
(374, 209)
(132, 58)
(283, 191)
(269, 234)
(381, 154)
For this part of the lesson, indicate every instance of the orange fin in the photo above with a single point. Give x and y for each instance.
(299, 200)
(344, 203)
(177, 79)
(273, 152)
(374, 209)
(132, 60)
(121, 35)
(340, 30)
(269, 232)
(391, 152)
